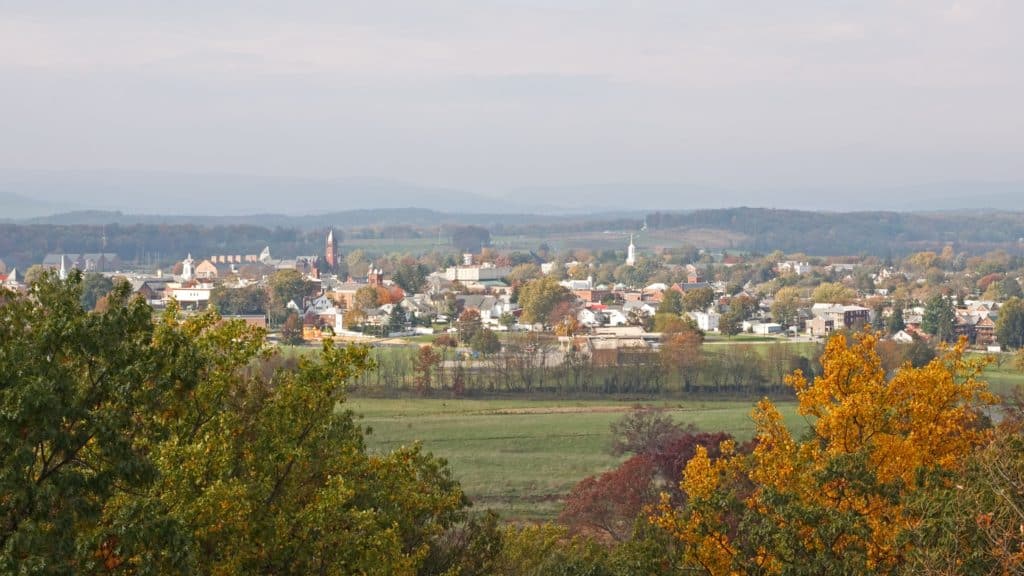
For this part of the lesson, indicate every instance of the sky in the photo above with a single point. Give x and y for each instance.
(491, 95)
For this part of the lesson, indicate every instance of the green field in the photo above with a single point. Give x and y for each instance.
(520, 457)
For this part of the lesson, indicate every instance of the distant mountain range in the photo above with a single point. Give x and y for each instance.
(92, 196)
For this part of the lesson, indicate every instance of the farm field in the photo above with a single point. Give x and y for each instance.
(520, 457)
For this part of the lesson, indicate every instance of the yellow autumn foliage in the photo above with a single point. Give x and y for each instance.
(919, 419)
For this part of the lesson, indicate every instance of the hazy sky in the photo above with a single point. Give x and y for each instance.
(493, 94)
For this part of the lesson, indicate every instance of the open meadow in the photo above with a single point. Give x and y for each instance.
(520, 457)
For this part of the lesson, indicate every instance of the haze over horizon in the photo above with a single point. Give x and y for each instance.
(675, 103)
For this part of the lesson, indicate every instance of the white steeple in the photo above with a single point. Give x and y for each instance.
(186, 268)
(631, 252)
(63, 272)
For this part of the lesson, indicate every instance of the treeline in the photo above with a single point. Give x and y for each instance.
(828, 233)
(534, 364)
(152, 244)
(164, 244)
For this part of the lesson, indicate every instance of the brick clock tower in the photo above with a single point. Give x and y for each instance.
(331, 252)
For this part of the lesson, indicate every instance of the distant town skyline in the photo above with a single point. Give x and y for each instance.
(495, 96)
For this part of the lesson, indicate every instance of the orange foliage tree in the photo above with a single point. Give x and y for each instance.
(835, 500)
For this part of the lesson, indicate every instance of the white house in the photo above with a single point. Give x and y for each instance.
(615, 317)
(707, 321)
(767, 328)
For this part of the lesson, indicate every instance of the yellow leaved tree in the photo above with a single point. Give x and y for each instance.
(834, 500)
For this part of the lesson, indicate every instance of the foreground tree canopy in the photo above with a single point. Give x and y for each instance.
(139, 446)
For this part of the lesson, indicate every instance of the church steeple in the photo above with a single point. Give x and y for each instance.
(631, 252)
(186, 268)
(331, 251)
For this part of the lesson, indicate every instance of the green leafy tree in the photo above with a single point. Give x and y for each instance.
(1010, 324)
(731, 323)
(671, 302)
(938, 318)
(285, 286)
(410, 276)
(485, 342)
(94, 287)
(398, 319)
(1010, 288)
(895, 322)
(140, 446)
(698, 299)
(232, 301)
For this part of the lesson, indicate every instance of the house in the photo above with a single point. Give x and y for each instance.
(707, 321)
(615, 317)
(192, 298)
(154, 290)
(766, 328)
(206, 270)
(820, 326)
(794, 267)
(903, 337)
(477, 272)
(639, 307)
(985, 330)
(322, 312)
(842, 316)
(590, 317)
(490, 308)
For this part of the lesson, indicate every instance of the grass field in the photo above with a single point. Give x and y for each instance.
(520, 457)
(1003, 380)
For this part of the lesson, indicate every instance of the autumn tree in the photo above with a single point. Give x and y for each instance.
(833, 293)
(837, 501)
(609, 503)
(366, 297)
(291, 329)
(786, 305)
(468, 325)
(539, 297)
(681, 354)
(423, 368)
